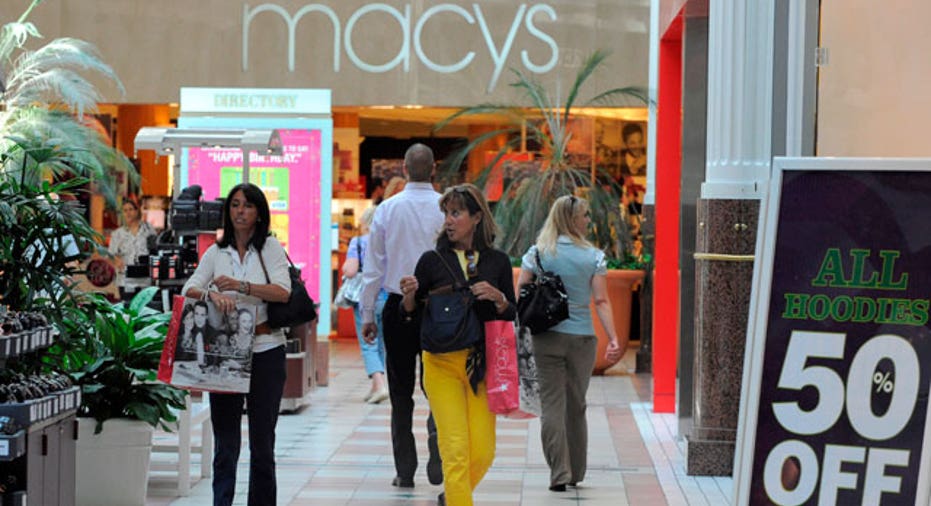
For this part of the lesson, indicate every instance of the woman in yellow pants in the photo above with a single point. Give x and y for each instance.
(454, 375)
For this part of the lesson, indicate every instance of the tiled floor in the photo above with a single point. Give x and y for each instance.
(337, 451)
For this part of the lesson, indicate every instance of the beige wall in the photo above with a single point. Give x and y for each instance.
(158, 46)
(873, 97)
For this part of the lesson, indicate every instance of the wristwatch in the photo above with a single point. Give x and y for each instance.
(243, 287)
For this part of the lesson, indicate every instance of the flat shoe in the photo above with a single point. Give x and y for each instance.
(377, 397)
(402, 482)
(558, 488)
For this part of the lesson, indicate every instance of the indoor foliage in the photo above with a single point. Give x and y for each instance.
(522, 209)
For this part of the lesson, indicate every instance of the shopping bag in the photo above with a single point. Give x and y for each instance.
(349, 293)
(206, 349)
(501, 376)
(529, 386)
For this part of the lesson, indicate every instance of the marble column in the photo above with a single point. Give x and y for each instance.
(726, 234)
(737, 166)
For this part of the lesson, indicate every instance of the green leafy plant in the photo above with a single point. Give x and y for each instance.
(525, 203)
(112, 352)
(48, 155)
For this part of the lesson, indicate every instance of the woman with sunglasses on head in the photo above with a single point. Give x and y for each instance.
(248, 266)
(454, 380)
(565, 353)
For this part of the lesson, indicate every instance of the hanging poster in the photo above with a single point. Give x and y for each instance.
(835, 398)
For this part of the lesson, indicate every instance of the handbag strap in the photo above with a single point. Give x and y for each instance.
(539, 265)
(456, 282)
(358, 252)
(262, 261)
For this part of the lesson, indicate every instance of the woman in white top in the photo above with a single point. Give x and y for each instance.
(127, 244)
(247, 266)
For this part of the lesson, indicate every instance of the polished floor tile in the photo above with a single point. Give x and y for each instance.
(337, 452)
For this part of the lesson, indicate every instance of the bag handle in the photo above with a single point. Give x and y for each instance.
(456, 283)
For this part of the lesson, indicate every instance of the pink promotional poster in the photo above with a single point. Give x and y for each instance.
(291, 185)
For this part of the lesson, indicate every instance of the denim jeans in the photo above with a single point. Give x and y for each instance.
(262, 403)
(373, 355)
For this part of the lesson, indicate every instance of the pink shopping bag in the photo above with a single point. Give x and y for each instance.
(502, 379)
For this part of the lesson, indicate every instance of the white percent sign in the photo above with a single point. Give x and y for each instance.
(882, 382)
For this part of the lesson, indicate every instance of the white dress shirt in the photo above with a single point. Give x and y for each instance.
(404, 227)
(225, 262)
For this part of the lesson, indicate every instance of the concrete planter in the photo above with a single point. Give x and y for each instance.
(620, 293)
(112, 467)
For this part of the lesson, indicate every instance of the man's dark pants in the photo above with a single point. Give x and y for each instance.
(402, 347)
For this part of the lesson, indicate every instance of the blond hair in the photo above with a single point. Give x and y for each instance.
(559, 222)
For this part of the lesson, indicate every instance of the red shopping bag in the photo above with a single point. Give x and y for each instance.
(166, 363)
(501, 376)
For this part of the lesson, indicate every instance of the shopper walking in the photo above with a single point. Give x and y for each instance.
(247, 266)
(373, 354)
(403, 227)
(128, 243)
(454, 380)
(565, 353)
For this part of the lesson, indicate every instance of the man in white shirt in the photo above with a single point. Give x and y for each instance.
(404, 227)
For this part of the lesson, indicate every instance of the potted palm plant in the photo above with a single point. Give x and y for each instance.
(525, 203)
(48, 155)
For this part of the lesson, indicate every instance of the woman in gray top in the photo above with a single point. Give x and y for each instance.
(565, 353)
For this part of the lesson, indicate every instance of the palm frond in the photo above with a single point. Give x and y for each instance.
(52, 74)
(527, 200)
(13, 36)
(588, 68)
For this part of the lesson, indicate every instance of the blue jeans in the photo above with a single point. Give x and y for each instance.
(262, 403)
(373, 355)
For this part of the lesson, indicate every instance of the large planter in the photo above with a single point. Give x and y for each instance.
(112, 467)
(620, 293)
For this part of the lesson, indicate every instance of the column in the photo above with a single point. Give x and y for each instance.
(739, 152)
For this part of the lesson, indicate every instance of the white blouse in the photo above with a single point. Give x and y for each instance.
(129, 247)
(218, 261)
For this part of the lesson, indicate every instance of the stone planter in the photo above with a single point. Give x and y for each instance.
(620, 293)
(112, 467)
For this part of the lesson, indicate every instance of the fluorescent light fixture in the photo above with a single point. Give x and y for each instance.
(169, 141)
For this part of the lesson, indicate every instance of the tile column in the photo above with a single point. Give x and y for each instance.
(739, 153)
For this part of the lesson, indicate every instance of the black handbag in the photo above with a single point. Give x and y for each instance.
(300, 307)
(544, 302)
(449, 323)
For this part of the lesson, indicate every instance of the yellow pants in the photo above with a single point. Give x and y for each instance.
(465, 428)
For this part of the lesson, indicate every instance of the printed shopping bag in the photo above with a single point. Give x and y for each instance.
(501, 376)
(206, 349)
(529, 387)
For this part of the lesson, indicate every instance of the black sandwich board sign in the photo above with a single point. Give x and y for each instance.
(834, 405)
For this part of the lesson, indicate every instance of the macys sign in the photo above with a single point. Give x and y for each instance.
(411, 31)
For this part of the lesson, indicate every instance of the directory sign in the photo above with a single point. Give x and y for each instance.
(835, 395)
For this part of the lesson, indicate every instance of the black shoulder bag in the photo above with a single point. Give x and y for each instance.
(544, 302)
(449, 323)
(299, 308)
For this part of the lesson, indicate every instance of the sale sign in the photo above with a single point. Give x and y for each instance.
(835, 402)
